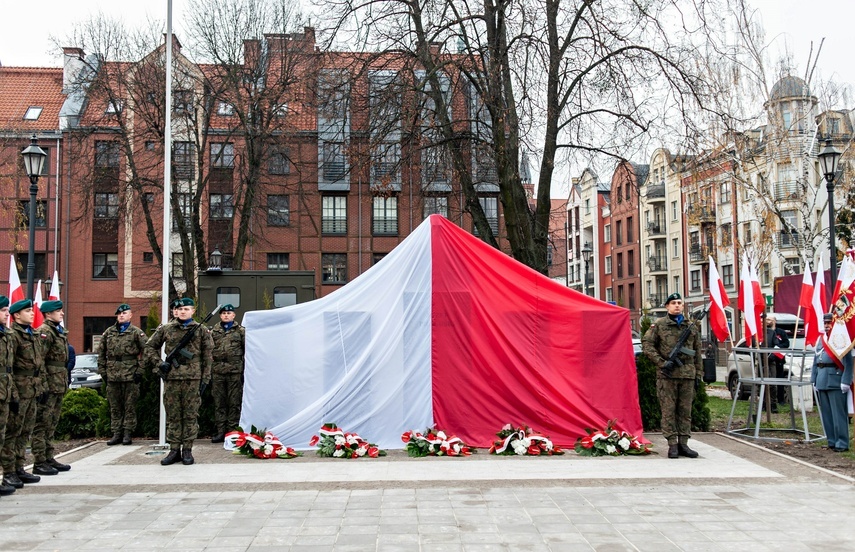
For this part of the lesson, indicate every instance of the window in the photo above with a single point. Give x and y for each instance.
(549, 254)
(618, 232)
(222, 206)
(41, 214)
(225, 109)
(106, 205)
(149, 145)
(333, 161)
(674, 210)
(148, 197)
(334, 268)
(629, 236)
(436, 205)
(377, 257)
(630, 263)
(490, 205)
(677, 283)
(787, 117)
(675, 247)
(334, 215)
(608, 264)
(183, 160)
(178, 265)
(607, 233)
(385, 216)
(628, 191)
(587, 206)
(33, 113)
(185, 208)
(147, 257)
(279, 162)
(223, 156)
(332, 95)
(281, 110)
(619, 195)
(833, 125)
(620, 265)
(765, 274)
(631, 295)
(113, 106)
(795, 264)
(386, 160)
(724, 192)
(726, 234)
(278, 261)
(695, 276)
(434, 165)
(610, 295)
(385, 101)
(182, 102)
(620, 295)
(727, 274)
(278, 210)
(106, 154)
(746, 233)
(284, 296)
(40, 260)
(105, 266)
(229, 295)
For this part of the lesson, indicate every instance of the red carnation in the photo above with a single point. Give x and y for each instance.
(407, 436)
(314, 440)
(373, 452)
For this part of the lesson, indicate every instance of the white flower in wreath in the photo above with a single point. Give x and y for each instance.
(351, 440)
(610, 449)
(254, 445)
(339, 440)
(361, 451)
(338, 453)
(441, 435)
(525, 442)
(268, 448)
(548, 444)
(431, 448)
(623, 443)
(519, 448)
(456, 447)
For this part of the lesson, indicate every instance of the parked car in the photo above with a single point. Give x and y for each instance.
(85, 372)
(636, 346)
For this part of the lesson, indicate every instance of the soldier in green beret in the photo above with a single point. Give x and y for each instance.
(184, 384)
(55, 347)
(119, 363)
(27, 369)
(8, 391)
(227, 372)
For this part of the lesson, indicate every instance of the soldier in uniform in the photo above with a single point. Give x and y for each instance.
(119, 354)
(183, 384)
(55, 348)
(227, 372)
(675, 385)
(8, 392)
(27, 370)
(831, 379)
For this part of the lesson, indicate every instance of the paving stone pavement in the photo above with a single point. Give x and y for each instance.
(746, 499)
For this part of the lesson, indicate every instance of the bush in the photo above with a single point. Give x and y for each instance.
(648, 401)
(84, 413)
(148, 408)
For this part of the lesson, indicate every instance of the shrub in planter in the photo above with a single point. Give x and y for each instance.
(651, 414)
(84, 413)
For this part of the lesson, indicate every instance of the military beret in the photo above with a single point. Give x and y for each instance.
(122, 308)
(50, 306)
(673, 297)
(228, 307)
(4, 301)
(175, 304)
(18, 306)
(186, 302)
(827, 317)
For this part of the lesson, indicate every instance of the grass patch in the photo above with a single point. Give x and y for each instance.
(720, 412)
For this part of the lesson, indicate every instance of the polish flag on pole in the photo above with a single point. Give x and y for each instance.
(54, 287)
(745, 301)
(38, 317)
(759, 301)
(817, 308)
(16, 290)
(718, 301)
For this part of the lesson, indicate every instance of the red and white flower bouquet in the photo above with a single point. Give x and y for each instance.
(259, 443)
(523, 441)
(434, 442)
(333, 442)
(609, 442)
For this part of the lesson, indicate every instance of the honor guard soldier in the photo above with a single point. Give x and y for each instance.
(8, 392)
(119, 363)
(27, 370)
(227, 372)
(55, 346)
(831, 378)
(184, 379)
(676, 381)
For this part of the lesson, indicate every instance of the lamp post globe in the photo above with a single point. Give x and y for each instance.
(34, 162)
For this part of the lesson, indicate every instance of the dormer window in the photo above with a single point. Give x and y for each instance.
(33, 113)
(113, 106)
(225, 109)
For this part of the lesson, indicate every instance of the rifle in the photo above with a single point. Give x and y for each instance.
(171, 360)
(673, 360)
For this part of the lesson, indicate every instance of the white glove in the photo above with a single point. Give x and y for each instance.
(815, 390)
(844, 388)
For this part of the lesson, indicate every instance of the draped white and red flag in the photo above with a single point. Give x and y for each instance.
(759, 301)
(16, 290)
(718, 301)
(38, 317)
(747, 303)
(817, 306)
(843, 308)
(54, 287)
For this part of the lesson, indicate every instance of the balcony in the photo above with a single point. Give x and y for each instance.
(656, 193)
(700, 213)
(656, 300)
(788, 191)
(787, 240)
(699, 254)
(657, 263)
(655, 228)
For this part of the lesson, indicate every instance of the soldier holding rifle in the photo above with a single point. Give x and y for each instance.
(673, 344)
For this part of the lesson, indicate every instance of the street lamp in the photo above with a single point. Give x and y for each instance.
(34, 162)
(49, 284)
(586, 256)
(216, 261)
(829, 157)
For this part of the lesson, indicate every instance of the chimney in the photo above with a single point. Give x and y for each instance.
(251, 52)
(309, 37)
(72, 64)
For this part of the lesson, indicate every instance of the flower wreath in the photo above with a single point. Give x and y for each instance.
(434, 442)
(523, 441)
(335, 443)
(609, 442)
(252, 444)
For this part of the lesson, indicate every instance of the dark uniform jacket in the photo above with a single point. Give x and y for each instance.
(55, 343)
(119, 353)
(228, 349)
(200, 348)
(8, 391)
(28, 362)
(659, 341)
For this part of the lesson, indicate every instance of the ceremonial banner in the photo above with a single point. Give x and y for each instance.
(843, 309)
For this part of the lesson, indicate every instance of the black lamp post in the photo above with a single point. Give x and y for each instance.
(34, 162)
(586, 256)
(829, 157)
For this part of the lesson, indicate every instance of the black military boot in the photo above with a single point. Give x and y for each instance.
(126, 439)
(187, 457)
(6, 490)
(13, 480)
(59, 466)
(219, 437)
(171, 458)
(673, 451)
(27, 477)
(43, 468)
(115, 440)
(686, 451)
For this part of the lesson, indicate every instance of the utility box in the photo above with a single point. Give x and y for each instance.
(249, 290)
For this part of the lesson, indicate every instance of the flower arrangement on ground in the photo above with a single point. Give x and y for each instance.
(523, 441)
(333, 442)
(259, 443)
(434, 442)
(609, 442)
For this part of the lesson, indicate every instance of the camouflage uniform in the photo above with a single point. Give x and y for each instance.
(677, 392)
(55, 349)
(8, 391)
(119, 354)
(29, 381)
(181, 394)
(227, 372)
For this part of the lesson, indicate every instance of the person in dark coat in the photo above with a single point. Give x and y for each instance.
(776, 338)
